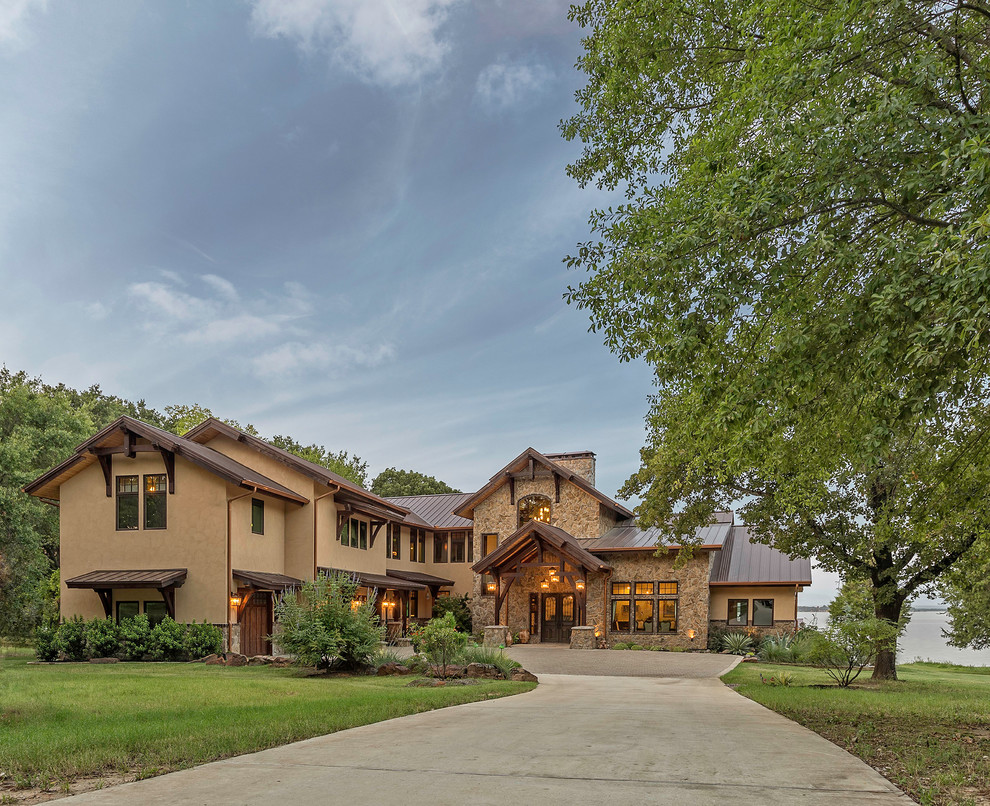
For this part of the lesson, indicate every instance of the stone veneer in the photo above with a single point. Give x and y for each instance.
(784, 626)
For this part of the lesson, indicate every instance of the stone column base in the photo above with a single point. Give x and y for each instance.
(495, 635)
(583, 638)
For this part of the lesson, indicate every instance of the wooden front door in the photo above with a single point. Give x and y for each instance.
(256, 625)
(557, 618)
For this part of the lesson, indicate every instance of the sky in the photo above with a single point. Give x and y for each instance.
(340, 220)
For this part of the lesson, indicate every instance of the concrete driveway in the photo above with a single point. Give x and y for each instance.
(574, 739)
(543, 659)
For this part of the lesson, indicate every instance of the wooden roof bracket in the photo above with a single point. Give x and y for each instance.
(376, 527)
(169, 458)
(105, 466)
(342, 518)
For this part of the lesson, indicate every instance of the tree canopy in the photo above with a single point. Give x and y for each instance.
(802, 257)
(340, 462)
(395, 482)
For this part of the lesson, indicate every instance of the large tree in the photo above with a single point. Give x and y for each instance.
(342, 463)
(395, 482)
(802, 255)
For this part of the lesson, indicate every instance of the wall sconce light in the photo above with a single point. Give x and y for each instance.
(235, 601)
(355, 604)
(545, 585)
(691, 634)
(579, 584)
(490, 587)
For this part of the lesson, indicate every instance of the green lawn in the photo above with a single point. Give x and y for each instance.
(929, 732)
(63, 722)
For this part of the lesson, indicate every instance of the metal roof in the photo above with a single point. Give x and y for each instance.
(434, 510)
(267, 580)
(743, 562)
(377, 580)
(421, 578)
(159, 578)
(564, 542)
(626, 536)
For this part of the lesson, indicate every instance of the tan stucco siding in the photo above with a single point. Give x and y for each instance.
(370, 560)
(250, 551)
(194, 539)
(784, 601)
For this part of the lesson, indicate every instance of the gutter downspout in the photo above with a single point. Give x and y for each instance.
(230, 569)
(336, 489)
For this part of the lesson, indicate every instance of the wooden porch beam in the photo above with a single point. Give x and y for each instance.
(168, 594)
(128, 444)
(376, 527)
(169, 458)
(342, 518)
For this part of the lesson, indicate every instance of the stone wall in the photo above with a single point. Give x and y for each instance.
(582, 464)
(785, 626)
(693, 595)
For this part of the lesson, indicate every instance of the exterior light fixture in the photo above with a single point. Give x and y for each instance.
(545, 585)
(491, 587)
(355, 604)
(235, 601)
(579, 584)
(691, 634)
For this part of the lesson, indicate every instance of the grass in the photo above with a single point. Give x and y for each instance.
(928, 732)
(60, 723)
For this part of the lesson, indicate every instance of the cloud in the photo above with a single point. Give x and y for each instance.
(13, 14)
(502, 85)
(387, 42)
(293, 358)
(224, 287)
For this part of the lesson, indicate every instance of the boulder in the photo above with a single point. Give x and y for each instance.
(210, 659)
(390, 669)
(281, 660)
(522, 676)
(258, 660)
(235, 659)
(483, 671)
(104, 660)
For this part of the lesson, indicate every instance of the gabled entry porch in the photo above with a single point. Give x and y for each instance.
(539, 578)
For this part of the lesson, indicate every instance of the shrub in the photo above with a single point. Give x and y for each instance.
(70, 638)
(102, 638)
(716, 634)
(168, 640)
(737, 643)
(459, 606)
(657, 648)
(135, 637)
(442, 643)
(386, 655)
(780, 679)
(620, 645)
(843, 650)
(418, 664)
(202, 640)
(638, 647)
(322, 629)
(45, 644)
(491, 657)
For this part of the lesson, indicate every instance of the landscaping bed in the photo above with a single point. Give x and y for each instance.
(71, 727)
(928, 733)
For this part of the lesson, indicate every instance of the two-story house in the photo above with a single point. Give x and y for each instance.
(213, 525)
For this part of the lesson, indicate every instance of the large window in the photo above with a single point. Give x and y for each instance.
(257, 516)
(155, 611)
(127, 610)
(413, 604)
(620, 615)
(155, 501)
(738, 612)
(363, 530)
(440, 547)
(458, 540)
(395, 542)
(417, 545)
(489, 543)
(644, 607)
(127, 502)
(763, 612)
(534, 508)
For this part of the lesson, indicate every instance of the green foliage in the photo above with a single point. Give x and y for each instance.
(442, 643)
(102, 638)
(167, 640)
(637, 647)
(135, 635)
(202, 640)
(854, 602)
(70, 638)
(395, 482)
(45, 642)
(966, 591)
(322, 629)
(340, 462)
(180, 419)
(737, 643)
(387, 655)
(843, 650)
(802, 256)
(459, 606)
(716, 633)
(786, 647)
(621, 645)
(491, 657)
(49, 596)
(782, 678)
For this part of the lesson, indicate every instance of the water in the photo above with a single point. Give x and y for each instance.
(922, 640)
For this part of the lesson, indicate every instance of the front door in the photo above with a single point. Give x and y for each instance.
(256, 625)
(557, 618)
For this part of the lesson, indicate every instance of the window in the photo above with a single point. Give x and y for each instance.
(395, 542)
(155, 611)
(488, 544)
(155, 501)
(417, 545)
(363, 542)
(738, 612)
(620, 615)
(257, 516)
(470, 546)
(621, 589)
(644, 615)
(345, 534)
(354, 532)
(668, 615)
(644, 588)
(457, 541)
(534, 508)
(421, 554)
(667, 588)
(127, 610)
(439, 547)
(413, 604)
(763, 612)
(127, 502)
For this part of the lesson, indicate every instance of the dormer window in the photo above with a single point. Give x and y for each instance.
(534, 508)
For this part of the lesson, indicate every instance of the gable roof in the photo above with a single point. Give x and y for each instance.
(434, 510)
(212, 427)
(743, 562)
(627, 536)
(466, 508)
(47, 485)
(568, 546)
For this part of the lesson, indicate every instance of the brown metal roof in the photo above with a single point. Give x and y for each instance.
(160, 578)
(266, 580)
(434, 510)
(378, 580)
(423, 579)
(208, 429)
(47, 485)
(466, 508)
(564, 542)
(743, 562)
(626, 536)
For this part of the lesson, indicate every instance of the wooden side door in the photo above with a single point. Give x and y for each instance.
(256, 625)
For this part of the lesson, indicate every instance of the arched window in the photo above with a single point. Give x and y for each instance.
(534, 508)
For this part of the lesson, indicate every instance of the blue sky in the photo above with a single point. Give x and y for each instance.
(342, 220)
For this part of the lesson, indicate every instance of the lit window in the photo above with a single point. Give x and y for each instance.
(489, 543)
(127, 502)
(621, 588)
(457, 542)
(644, 588)
(395, 541)
(620, 615)
(667, 612)
(644, 615)
(534, 508)
(440, 547)
(667, 588)
(155, 501)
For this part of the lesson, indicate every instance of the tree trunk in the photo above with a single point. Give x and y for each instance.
(885, 666)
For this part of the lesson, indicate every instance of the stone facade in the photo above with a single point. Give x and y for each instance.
(581, 463)
(786, 626)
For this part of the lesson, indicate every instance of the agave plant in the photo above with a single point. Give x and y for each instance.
(737, 643)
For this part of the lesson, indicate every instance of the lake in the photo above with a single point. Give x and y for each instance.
(922, 640)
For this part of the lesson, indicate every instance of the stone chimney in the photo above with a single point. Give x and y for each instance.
(580, 462)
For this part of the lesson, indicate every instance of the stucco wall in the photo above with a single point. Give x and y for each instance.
(784, 604)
